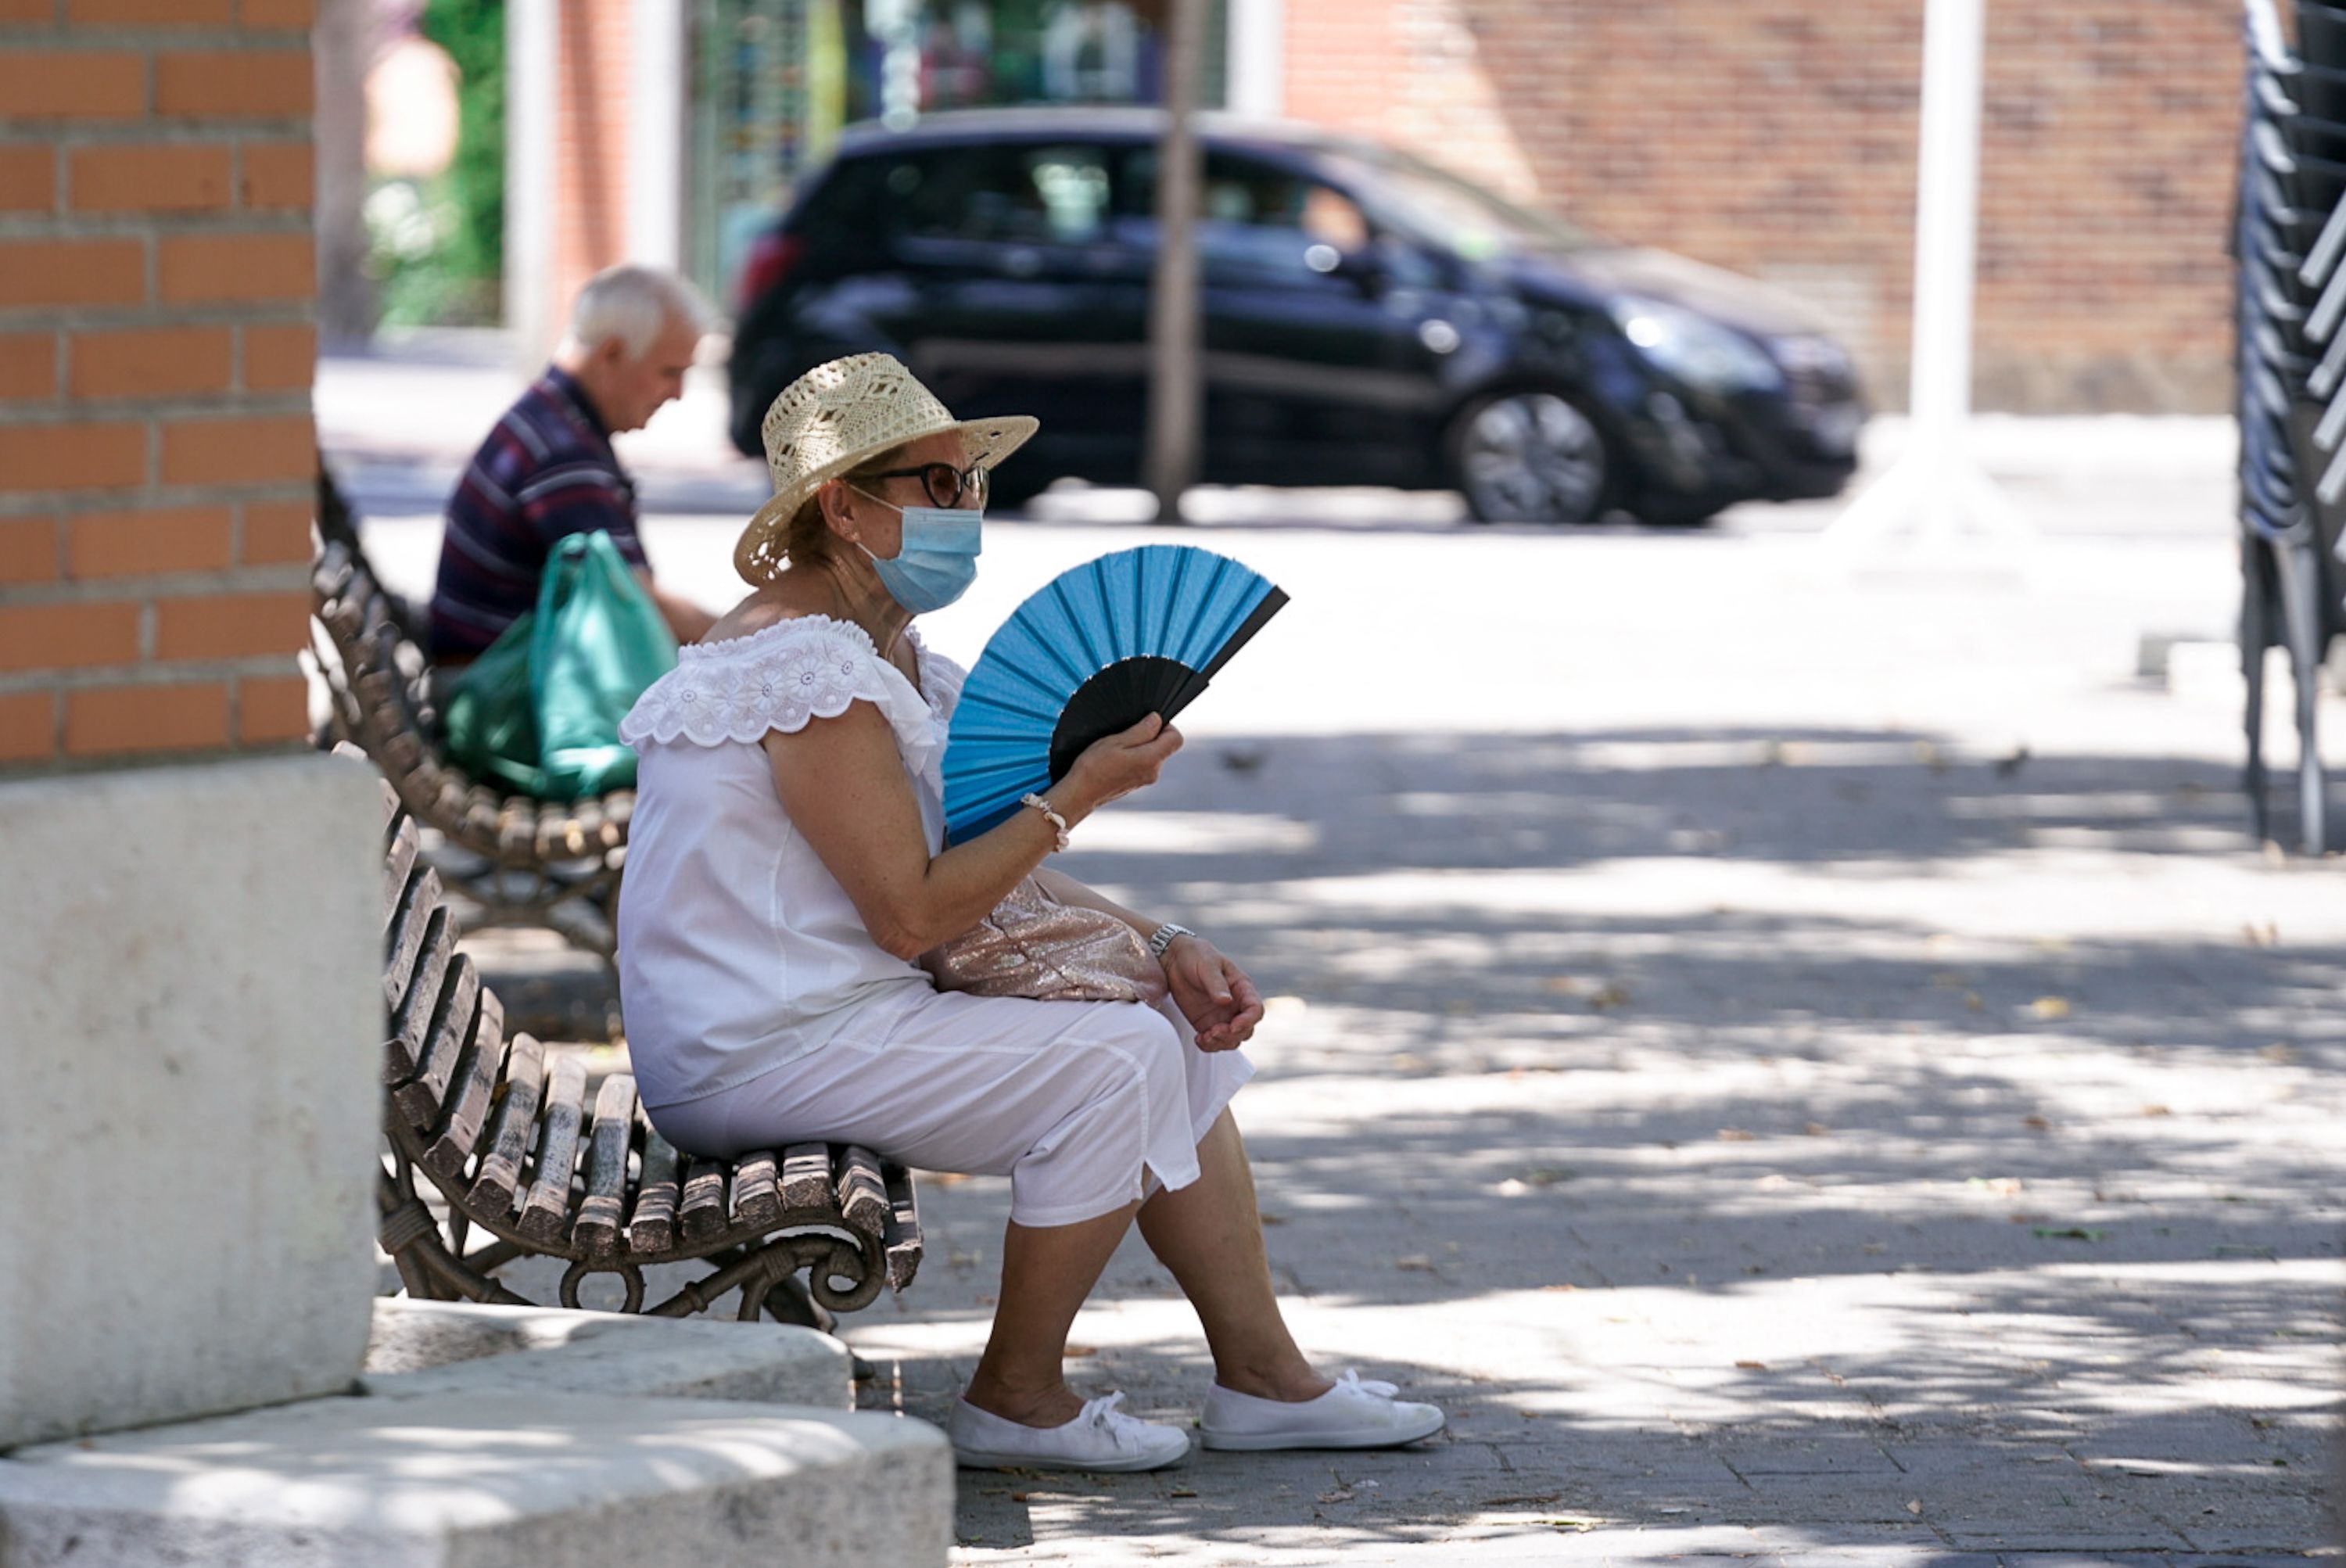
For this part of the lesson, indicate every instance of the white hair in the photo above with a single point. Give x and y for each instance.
(634, 305)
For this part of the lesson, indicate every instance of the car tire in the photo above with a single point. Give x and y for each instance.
(1530, 455)
(1675, 512)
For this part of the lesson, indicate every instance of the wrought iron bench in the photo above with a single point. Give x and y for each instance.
(505, 1131)
(519, 859)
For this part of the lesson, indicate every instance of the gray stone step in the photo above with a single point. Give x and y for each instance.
(468, 1481)
(459, 1347)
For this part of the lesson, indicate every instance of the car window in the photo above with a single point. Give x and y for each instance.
(1007, 195)
(1437, 206)
(1261, 220)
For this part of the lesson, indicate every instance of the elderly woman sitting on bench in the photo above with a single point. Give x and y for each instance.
(785, 870)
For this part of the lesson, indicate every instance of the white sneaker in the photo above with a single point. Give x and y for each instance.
(1355, 1413)
(1101, 1437)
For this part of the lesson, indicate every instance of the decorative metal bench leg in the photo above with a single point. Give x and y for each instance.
(788, 1302)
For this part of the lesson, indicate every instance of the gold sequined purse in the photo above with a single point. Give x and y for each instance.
(1035, 946)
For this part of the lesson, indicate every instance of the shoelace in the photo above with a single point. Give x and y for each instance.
(1102, 1413)
(1377, 1386)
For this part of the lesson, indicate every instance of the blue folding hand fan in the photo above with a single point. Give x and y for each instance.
(1098, 650)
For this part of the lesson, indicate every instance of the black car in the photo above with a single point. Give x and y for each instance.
(1369, 320)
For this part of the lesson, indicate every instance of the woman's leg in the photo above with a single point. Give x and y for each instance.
(1209, 1234)
(1046, 1272)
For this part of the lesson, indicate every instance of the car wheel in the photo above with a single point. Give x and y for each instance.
(1530, 457)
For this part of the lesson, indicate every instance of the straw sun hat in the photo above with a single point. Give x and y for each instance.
(840, 416)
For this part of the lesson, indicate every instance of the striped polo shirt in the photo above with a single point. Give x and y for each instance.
(545, 472)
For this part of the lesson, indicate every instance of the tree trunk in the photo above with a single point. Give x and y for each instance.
(1174, 387)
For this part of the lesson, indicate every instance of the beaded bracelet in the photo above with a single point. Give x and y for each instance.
(1058, 823)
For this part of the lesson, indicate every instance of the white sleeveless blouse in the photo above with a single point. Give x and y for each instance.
(739, 951)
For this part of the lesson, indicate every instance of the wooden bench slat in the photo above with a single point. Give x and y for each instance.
(704, 1199)
(651, 1228)
(459, 1131)
(862, 1196)
(806, 1176)
(901, 1239)
(453, 1017)
(516, 827)
(404, 941)
(411, 1022)
(597, 1230)
(548, 1203)
(499, 1177)
(756, 1194)
(398, 865)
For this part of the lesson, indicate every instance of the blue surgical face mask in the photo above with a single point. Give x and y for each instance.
(937, 561)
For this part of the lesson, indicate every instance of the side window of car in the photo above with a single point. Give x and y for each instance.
(1001, 194)
(1258, 221)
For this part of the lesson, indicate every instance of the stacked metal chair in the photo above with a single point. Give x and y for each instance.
(2290, 245)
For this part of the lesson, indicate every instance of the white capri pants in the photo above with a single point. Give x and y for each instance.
(1086, 1106)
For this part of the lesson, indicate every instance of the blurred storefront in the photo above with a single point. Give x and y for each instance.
(671, 130)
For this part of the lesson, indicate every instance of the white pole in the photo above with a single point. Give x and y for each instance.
(531, 57)
(1936, 487)
(656, 77)
(1946, 212)
(1256, 49)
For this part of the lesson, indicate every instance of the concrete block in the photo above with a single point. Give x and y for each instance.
(448, 1346)
(444, 1480)
(194, 1015)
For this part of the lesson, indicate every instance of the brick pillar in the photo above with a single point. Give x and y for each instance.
(591, 100)
(157, 349)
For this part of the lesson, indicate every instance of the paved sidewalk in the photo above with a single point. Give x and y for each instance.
(1808, 1069)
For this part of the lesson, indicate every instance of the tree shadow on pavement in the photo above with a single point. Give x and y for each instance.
(1823, 1134)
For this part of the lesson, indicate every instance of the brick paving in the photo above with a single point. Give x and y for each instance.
(1807, 1068)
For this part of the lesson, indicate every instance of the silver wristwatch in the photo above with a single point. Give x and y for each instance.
(1164, 936)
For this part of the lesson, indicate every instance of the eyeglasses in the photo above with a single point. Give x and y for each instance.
(945, 484)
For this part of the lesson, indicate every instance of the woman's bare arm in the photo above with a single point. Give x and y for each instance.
(842, 782)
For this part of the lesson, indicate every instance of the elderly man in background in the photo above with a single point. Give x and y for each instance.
(547, 470)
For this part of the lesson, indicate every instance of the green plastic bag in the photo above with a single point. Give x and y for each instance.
(539, 711)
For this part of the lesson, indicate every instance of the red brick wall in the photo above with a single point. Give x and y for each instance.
(1777, 137)
(156, 451)
(591, 147)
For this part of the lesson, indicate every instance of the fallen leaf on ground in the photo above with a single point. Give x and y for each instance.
(1269, 1218)
(1735, 1135)
(2050, 1007)
(1416, 1263)
(2039, 1122)
(1183, 1492)
(1914, 1506)
(1080, 1350)
(1562, 985)
(1342, 1494)
(1530, 1499)
(2156, 1111)
(1971, 1003)
(1816, 1129)
(2277, 1052)
(1020, 1496)
(1753, 1366)
(2067, 1233)
(1613, 995)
